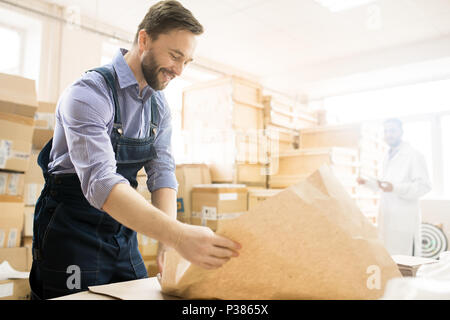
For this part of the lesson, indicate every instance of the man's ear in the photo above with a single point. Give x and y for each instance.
(143, 40)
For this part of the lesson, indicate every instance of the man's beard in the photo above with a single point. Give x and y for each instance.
(150, 71)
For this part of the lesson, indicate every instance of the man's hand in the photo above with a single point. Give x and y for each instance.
(202, 247)
(385, 186)
(360, 180)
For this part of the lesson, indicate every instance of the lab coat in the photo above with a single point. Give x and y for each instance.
(399, 216)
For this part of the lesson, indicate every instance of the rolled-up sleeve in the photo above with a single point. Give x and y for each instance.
(84, 113)
(161, 170)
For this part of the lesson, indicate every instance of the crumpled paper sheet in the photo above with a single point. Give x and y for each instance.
(309, 241)
(432, 282)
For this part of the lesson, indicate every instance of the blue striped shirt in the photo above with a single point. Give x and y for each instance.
(84, 121)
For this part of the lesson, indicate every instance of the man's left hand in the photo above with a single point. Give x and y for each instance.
(385, 186)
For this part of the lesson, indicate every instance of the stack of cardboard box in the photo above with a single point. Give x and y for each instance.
(350, 150)
(223, 121)
(18, 105)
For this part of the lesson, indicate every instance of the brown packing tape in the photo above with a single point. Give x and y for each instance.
(309, 241)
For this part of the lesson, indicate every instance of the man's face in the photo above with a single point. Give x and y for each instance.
(392, 134)
(165, 58)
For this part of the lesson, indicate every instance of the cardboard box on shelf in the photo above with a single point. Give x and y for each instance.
(12, 183)
(34, 180)
(18, 105)
(152, 268)
(142, 188)
(17, 95)
(27, 241)
(15, 289)
(28, 221)
(45, 115)
(11, 222)
(287, 114)
(256, 196)
(408, 265)
(44, 124)
(148, 247)
(189, 175)
(294, 166)
(214, 202)
(19, 258)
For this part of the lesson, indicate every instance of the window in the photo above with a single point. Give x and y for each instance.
(11, 59)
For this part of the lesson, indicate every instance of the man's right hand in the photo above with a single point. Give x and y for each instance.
(201, 246)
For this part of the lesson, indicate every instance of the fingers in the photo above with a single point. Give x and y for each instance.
(220, 252)
(226, 243)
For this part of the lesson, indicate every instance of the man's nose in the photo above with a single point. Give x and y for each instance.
(178, 69)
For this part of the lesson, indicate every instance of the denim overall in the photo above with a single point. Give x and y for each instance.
(76, 245)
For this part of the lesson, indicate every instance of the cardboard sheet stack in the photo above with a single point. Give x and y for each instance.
(409, 265)
(350, 150)
(309, 241)
(18, 105)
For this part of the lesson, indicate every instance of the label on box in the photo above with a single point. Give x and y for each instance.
(5, 151)
(12, 238)
(3, 178)
(6, 289)
(20, 155)
(2, 238)
(49, 118)
(209, 213)
(31, 194)
(13, 184)
(228, 196)
(180, 205)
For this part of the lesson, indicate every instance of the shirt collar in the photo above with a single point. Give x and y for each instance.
(125, 75)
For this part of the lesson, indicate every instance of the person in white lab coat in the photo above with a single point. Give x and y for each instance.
(403, 181)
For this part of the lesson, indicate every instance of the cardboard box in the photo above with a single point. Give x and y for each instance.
(213, 202)
(34, 180)
(18, 105)
(16, 133)
(408, 265)
(15, 289)
(17, 95)
(19, 258)
(12, 183)
(256, 196)
(187, 176)
(287, 114)
(152, 268)
(294, 166)
(28, 221)
(11, 223)
(148, 247)
(142, 187)
(27, 241)
(45, 116)
(44, 124)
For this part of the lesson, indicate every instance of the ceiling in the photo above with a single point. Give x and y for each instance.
(302, 48)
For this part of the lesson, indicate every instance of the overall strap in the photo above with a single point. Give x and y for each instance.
(110, 80)
(154, 114)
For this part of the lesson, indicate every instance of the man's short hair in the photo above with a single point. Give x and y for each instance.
(394, 121)
(168, 15)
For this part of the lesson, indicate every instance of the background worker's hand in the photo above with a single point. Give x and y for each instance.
(385, 186)
(202, 247)
(360, 180)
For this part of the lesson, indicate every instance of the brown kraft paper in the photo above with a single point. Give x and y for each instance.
(309, 241)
